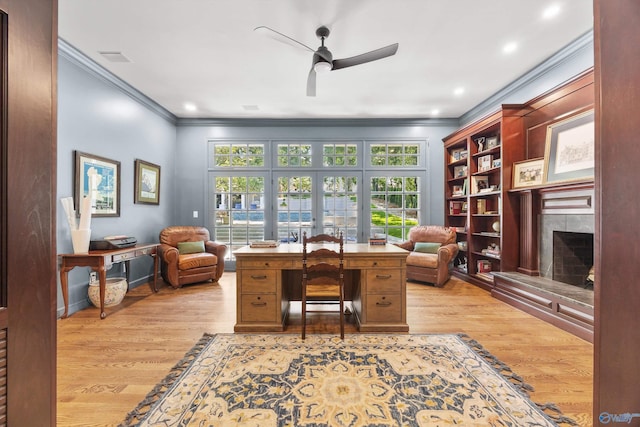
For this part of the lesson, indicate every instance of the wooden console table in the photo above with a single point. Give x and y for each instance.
(268, 278)
(98, 261)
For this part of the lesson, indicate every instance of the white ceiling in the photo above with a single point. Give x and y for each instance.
(205, 52)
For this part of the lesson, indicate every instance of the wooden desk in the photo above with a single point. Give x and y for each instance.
(99, 261)
(267, 282)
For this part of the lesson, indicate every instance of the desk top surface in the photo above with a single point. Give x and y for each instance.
(98, 253)
(350, 249)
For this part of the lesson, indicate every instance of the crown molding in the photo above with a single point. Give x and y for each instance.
(577, 47)
(79, 59)
(333, 122)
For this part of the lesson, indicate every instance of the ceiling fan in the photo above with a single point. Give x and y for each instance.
(323, 59)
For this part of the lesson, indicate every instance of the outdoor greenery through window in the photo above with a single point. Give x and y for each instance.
(294, 155)
(395, 206)
(274, 190)
(396, 154)
(339, 155)
(239, 155)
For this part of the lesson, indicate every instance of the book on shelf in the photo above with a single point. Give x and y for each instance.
(489, 233)
(481, 206)
(455, 207)
(484, 266)
(264, 244)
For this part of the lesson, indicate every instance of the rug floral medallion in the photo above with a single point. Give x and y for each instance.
(365, 380)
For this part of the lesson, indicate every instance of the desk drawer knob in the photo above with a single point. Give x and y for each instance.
(261, 277)
(383, 276)
(258, 303)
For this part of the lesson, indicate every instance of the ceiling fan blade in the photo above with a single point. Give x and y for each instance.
(276, 35)
(311, 82)
(374, 55)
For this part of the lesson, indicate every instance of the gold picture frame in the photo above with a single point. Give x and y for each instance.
(147, 183)
(528, 173)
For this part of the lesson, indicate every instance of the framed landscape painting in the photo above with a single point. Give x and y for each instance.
(570, 149)
(107, 183)
(147, 183)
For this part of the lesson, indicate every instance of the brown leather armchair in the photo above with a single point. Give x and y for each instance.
(193, 264)
(436, 248)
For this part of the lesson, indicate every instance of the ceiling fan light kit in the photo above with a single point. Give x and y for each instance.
(322, 60)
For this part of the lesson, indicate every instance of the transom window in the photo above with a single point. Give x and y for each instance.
(239, 154)
(339, 154)
(294, 155)
(395, 154)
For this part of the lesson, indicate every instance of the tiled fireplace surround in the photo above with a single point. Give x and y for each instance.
(569, 212)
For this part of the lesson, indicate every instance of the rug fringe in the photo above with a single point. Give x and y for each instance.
(550, 409)
(137, 415)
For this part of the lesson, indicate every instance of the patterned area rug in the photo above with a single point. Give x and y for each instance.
(365, 380)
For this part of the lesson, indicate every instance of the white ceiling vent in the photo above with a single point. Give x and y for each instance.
(113, 56)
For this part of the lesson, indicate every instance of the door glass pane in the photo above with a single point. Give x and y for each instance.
(295, 207)
(395, 203)
(239, 210)
(340, 206)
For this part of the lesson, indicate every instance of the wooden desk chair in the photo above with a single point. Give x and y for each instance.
(322, 276)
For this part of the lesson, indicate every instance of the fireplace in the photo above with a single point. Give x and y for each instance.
(572, 257)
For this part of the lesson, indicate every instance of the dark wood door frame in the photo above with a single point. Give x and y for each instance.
(28, 212)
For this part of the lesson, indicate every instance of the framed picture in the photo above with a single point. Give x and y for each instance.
(147, 183)
(106, 183)
(528, 173)
(570, 149)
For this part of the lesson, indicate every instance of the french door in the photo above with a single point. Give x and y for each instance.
(317, 202)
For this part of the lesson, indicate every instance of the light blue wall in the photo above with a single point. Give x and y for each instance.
(101, 115)
(97, 118)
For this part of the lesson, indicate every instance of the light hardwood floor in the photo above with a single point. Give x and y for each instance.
(106, 367)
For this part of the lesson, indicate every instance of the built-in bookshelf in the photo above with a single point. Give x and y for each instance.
(475, 185)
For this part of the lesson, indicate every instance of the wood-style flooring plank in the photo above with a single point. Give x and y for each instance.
(106, 367)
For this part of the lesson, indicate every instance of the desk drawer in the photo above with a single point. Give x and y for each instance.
(147, 251)
(258, 281)
(373, 263)
(384, 308)
(282, 264)
(383, 281)
(259, 308)
(123, 257)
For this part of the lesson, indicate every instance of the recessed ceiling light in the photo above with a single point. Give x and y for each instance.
(190, 106)
(510, 47)
(250, 107)
(435, 112)
(458, 91)
(551, 12)
(114, 56)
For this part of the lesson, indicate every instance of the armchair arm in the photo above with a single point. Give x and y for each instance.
(446, 253)
(218, 250)
(408, 245)
(169, 263)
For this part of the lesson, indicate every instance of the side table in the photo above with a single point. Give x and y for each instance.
(99, 261)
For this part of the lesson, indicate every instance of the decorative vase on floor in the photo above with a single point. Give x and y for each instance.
(115, 289)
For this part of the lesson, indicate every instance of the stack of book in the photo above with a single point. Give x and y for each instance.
(264, 244)
(374, 241)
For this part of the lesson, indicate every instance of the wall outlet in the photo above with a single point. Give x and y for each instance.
(93, 277)
(195, 214)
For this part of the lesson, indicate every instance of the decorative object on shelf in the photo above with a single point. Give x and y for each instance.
(570, 149)
(480, 141)
(485, 162)
(492, 142)
(147, 183)
(105, 200)
(115, 289)
(480, 183)
(496, 163)
(460, 171)
(528, 173)
(484, 266)
(496, 226)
